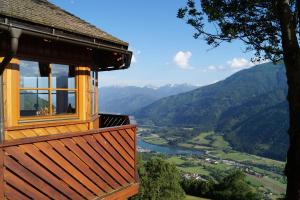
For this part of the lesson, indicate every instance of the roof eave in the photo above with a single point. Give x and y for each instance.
(73, 38)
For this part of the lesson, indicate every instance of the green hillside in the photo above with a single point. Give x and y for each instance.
(249, 108)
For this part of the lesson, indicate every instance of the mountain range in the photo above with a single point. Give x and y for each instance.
(249, 108)
(127, 99)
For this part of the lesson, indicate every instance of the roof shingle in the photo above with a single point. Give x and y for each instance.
(47, 14)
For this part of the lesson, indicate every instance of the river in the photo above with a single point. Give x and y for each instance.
(166, 149)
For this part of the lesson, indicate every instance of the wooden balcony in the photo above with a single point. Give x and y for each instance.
(94, 164)
(110, 120)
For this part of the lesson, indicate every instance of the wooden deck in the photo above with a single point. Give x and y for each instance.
(95, 164)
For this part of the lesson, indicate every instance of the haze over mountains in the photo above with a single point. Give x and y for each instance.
(127, 99)
(249, 108)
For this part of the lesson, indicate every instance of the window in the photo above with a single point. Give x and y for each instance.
(93, 92)
(47, 89)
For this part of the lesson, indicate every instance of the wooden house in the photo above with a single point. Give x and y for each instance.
(54, 143)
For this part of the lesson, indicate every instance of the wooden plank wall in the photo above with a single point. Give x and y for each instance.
(71, 166)
(42, 131)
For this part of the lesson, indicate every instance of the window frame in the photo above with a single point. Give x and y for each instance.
(93, 92)
(50, 90)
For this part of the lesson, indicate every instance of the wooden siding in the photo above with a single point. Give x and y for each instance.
(95, 123)
(97, 164)
(33, 131)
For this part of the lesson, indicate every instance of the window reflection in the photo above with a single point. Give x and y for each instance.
(63, 76)
(63, 102)
(34, 74)
(42, 84)
(34, 103)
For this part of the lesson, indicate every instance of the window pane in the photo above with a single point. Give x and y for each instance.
(34, 102)
(91, 81)
(63, 102)
(92, 103)
(63, 76)
(33, 74)
(93, 91)
(95, 102)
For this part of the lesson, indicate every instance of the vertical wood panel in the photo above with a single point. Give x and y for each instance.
(63, 129)
(40, 131)
(28, 133)
(52, 130)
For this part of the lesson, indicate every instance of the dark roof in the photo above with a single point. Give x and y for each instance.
(47, 14)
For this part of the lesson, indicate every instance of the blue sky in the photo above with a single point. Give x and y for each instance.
(164, 50)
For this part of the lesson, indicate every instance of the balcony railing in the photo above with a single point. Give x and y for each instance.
(111, 120)
(95, 164)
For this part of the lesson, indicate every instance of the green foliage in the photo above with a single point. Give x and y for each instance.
(197, 187)
(159, 181)
(230, 187)
(234, 187)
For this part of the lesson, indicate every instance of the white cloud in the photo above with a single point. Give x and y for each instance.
(181, 59)
(214, 67)
(234, 65)
(239, 63)
(211, 67)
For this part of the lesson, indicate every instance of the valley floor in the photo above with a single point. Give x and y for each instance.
(264, 174)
